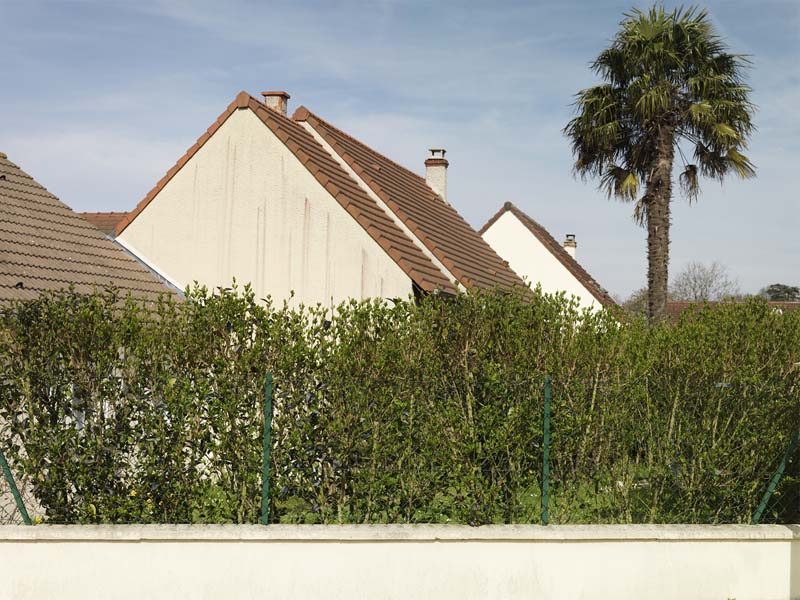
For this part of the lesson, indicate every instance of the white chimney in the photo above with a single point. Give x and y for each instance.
(436, 172)
(570, 244)
(277, 101)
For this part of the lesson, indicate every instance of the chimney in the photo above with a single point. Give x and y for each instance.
(570, 244)
(436, 172)
(277, 101)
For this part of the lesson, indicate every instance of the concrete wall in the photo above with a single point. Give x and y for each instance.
(244, 207)
(420, 562)
(532, 261)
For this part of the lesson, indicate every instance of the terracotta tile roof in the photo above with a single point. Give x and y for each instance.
(676, 307)
(333, 178)
(44, 245)
(104, 221)
(557, 250)
(437, 224)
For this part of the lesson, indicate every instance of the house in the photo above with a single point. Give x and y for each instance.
(104, 221)
(538, 258)
(305, 213)
(44, 245)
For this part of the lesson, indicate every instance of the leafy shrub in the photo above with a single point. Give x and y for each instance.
(387, 411)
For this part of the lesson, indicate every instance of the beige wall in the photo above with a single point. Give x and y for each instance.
(532, 261)
(244, 207)
(388, 562)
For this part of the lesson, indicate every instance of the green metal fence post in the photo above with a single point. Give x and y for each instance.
(546, 454)
(776, 478)
(14, 491)
(265, 466)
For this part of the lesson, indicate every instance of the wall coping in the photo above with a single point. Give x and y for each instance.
(396, 533)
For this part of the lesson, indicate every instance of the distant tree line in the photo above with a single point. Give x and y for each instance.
(699, 282)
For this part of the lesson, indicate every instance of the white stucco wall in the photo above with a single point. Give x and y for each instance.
(400, 562)
(532, 261)
(244, 207)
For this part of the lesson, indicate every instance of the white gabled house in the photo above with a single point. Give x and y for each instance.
(538, 258)
(296, 205)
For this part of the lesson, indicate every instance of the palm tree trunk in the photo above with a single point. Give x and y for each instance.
(658, 196)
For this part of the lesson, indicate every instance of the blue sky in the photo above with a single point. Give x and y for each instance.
(99, 99)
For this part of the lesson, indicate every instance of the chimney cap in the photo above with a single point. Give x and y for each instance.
(570, 238)
(279, 93)
(437, 158)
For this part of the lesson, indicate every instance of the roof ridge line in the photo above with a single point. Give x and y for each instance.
(391, 204)
(404, 185)
(357, 141)
(374, 190)
(506, 207)
(266, 115)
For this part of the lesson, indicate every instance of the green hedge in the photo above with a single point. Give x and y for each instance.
(395, 411)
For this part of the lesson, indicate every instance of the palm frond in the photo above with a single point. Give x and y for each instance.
(597, 131)
(740, 164)
(690, 182)
(640, 211)
(619, 182)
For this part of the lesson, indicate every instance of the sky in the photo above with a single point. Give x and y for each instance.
(98, 99)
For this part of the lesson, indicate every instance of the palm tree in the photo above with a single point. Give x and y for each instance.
(669, 85)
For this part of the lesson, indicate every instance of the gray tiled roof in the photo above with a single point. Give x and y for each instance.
(44, 245)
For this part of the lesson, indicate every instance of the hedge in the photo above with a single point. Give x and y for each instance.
(395, 411)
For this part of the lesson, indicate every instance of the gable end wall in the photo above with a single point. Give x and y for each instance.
(244, 207)
(533, 261)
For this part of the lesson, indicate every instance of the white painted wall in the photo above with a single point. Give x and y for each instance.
(244, 207)
(400, 562)
(532, 261)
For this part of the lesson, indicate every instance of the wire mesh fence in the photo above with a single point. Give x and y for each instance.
(664, 450)
(397, 412)
(16, 496)
(482, 452)
(479, 453)
(781, 500)
(491, 449)
(385, 452)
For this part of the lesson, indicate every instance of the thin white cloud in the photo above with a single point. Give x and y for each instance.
(122, 167)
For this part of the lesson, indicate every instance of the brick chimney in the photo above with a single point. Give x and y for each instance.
(436, 172)
(277, 101)
(570, 245)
